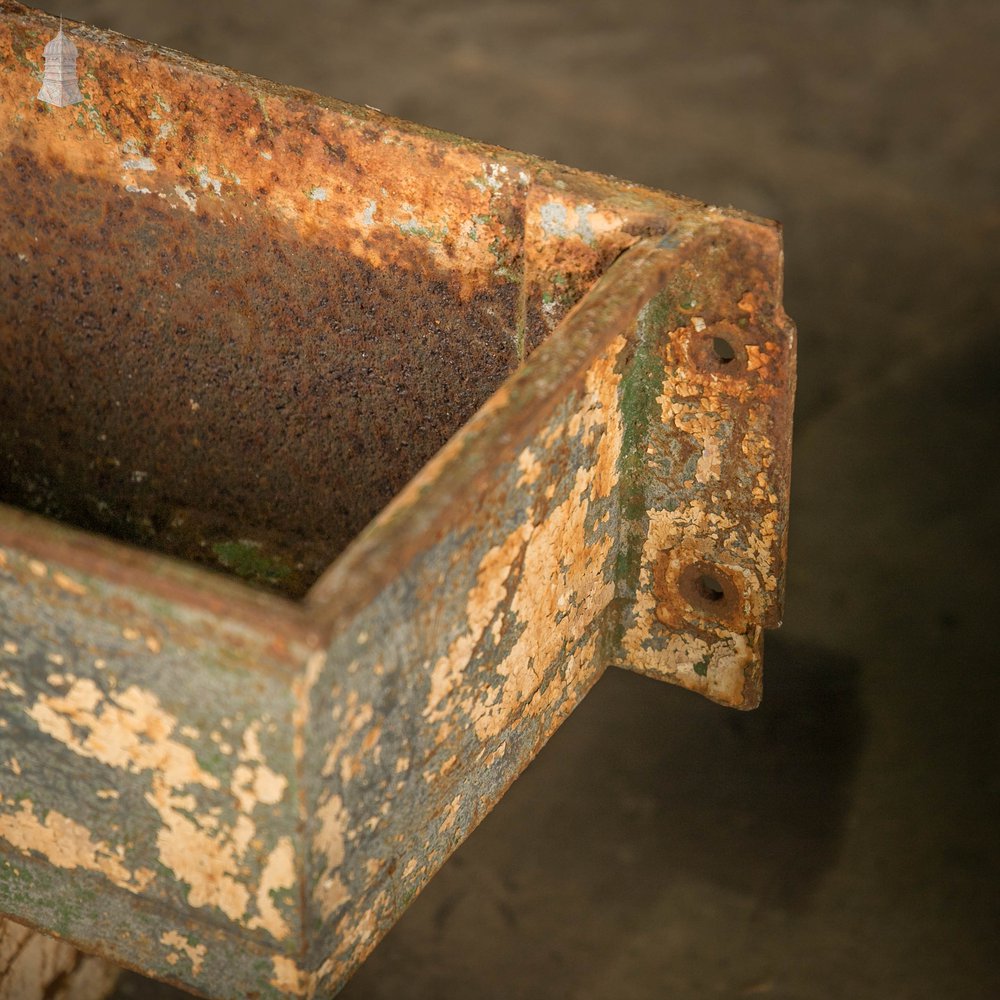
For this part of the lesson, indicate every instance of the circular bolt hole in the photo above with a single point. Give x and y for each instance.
(709, 589)
(723, 350)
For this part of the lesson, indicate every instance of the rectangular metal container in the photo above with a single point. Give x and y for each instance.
(339, 457)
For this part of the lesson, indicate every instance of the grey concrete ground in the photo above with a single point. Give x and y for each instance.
(842, 841)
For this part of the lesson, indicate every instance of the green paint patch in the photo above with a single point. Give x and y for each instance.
(216, 763)
(701, 667)
(627, 563)
(641, 385)
(95, 119)
(248, 560)
(411, 227)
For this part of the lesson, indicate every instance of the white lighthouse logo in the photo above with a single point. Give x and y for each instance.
(59, 84)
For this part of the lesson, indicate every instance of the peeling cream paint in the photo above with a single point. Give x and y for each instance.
(562, 585)
(359, 716)
(7, 685)
(187, 197)
(129, 730)
(354, 940)
(206, 861)
(482, 603)
(288, 977)
(67, 583)
(727, 653)
(206, 180)
(450, 814)
(713, 659)
(65, 843)
(530, 468)
(696, 414)
(561, 217)
(278, 875)
(332, 817)
(139, 163)
(253, 781)
(195, 952)
(302, 687)
(330, 893)
(496, 755)
(251, 785)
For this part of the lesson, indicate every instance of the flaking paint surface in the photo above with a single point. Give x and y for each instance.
(330, 893)
(526, 649)
(66, 843)
(714, 483)
(95, 681)
(181, 946)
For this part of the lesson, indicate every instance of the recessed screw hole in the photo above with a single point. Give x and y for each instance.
(709, 589)
(723, 350)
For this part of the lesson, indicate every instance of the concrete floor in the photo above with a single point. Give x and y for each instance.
(841, 841)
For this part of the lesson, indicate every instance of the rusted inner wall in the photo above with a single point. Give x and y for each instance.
(236, 318)
(233, 393)
(194, 360)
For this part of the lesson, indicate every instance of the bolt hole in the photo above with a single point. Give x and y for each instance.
(709, 589)
(723, 350)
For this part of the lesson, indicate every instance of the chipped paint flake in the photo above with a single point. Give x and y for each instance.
(563, 587)
(208, 862)
(330, 892)
(206, 180)
(482, 603)
(278, 876)
(288, 977)
(195, 952)
(128, 730)
(530, 468)
(63, 842)
(141, 163)
(450, 814)
(366, 217)
(187, 197)
(7, 684)
(67, 583)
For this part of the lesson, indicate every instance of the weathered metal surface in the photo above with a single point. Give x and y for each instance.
(237, 321)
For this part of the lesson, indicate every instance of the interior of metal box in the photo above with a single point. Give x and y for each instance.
(225, 390)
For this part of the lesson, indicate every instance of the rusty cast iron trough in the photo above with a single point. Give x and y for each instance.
(339, 457)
